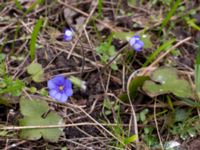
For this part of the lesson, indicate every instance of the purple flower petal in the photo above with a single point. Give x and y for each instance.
(69, 92)
(132, 41)
(51, 84)
(58, 80)
(52, 93)
(63, 98)
(68, 32)
(141, 43)
(68, 35)
(68, 84)
(66, 38)
(137, 47)
(137, 37)
(58, 96)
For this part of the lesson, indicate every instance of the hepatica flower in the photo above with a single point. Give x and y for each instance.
(68, 35)
(136, 43)
(60, 88)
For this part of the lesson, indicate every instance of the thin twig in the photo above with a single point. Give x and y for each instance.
(55, 126)
(156, 123)
(133, 111)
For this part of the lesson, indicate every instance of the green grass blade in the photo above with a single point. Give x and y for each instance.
(33, 6)
(191, 22)
(100, 6)
(191, 103)
(169, 15)
(34, 38)
(18, 5)
(197, 70)
(157, 51)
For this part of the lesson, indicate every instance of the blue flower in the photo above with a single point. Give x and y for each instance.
(68, 35)
(60, 88)
(136, 43)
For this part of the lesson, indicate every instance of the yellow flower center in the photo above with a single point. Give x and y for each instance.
(61, 88)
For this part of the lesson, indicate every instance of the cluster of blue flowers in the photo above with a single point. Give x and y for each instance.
(61, 88)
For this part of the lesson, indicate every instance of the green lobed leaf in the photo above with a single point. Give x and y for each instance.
(36, 71)
(147, 41)
(30, 134)
(52, 134)
(165, 80)
(32, 111)
(124, 36)
(34, 68)
(33, 107)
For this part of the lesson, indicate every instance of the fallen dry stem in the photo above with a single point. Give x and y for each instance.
(55, 126)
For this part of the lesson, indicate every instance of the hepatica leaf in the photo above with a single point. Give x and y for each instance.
(32, 112)
(33, 108)
(165, 80)
(124, 36)
(135, 83)
(36, 71)
(147, 41)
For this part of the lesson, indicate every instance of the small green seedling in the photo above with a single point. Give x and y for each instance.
(184, 124)
(10, 86)
(106, 51)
